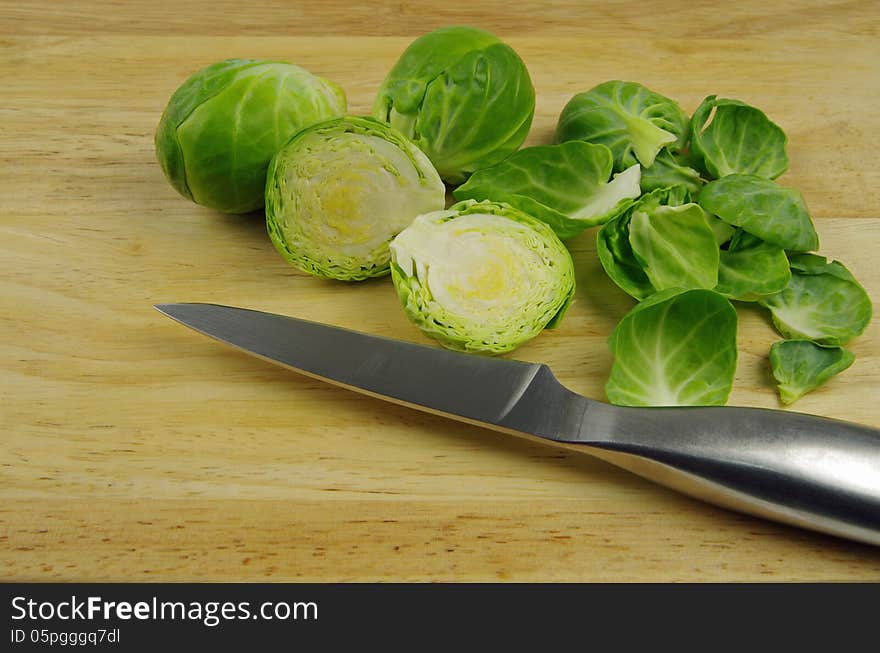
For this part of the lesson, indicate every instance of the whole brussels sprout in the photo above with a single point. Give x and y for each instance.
(481, 276)
(460, 94)
(225, 122)
(340, 190)
(634, 122)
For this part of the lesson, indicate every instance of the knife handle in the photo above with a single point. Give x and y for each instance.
(809, 471)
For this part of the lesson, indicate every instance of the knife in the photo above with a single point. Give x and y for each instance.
(812, 472)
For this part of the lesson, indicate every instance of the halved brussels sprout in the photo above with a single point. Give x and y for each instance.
(462, 96)
(339, 191)
(481, 276)
(224, 123)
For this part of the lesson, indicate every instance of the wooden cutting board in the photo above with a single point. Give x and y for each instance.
(134, 449)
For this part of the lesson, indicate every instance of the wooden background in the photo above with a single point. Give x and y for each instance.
(136, 449)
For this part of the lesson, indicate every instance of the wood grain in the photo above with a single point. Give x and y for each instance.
(135, 449)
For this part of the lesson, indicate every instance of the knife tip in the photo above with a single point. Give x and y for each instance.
(169, 309)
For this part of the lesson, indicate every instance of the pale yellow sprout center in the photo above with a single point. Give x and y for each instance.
(479, 266)
(353, 194)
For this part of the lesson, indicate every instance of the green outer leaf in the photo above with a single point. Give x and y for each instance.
(556, 184)
(200, 87)
(424, 60)
(613, 245)
(815, 264)
(677, 348)
(822, 302)
(800, 366)
(675, 246)
(668, 170)
(771, 212)
(739, 139)
(723, 231)
(752, 270)
(225, 122)
(634, 122)
(299, 163)
(489, 334)
(617, 258)
(462, 96)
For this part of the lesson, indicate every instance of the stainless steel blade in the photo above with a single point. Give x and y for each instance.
(524, 397)
(800, 469)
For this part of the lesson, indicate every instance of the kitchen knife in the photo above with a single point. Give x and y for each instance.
(812, 472)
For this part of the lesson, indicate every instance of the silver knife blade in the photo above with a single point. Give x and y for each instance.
(507, 394)
(799, 469)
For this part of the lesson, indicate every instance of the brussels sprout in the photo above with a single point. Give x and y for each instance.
(676, 348)
(462, 96)
(481, 276)
(633, 122)
(339, 191)
(729, 137)
(822, 302)
(566, 185)
(224, 123)
(761, 207)
(801, 365)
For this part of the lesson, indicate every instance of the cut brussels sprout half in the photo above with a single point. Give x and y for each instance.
(634, 122)
(481, 276)
(339, 191)
(222, 126)
(800, 366)
(569, 186)
(462, 96)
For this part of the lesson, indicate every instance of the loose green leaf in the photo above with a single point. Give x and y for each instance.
(730, 137)
(613, 244)
(675, 246)
(481, 276)
(800, 366)
(566, 185)
(462, 96)
(668, 170)
(677, 348)
(723, 231)
(771, 212)
(822, 302)
(750, 269)
(634, 122)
